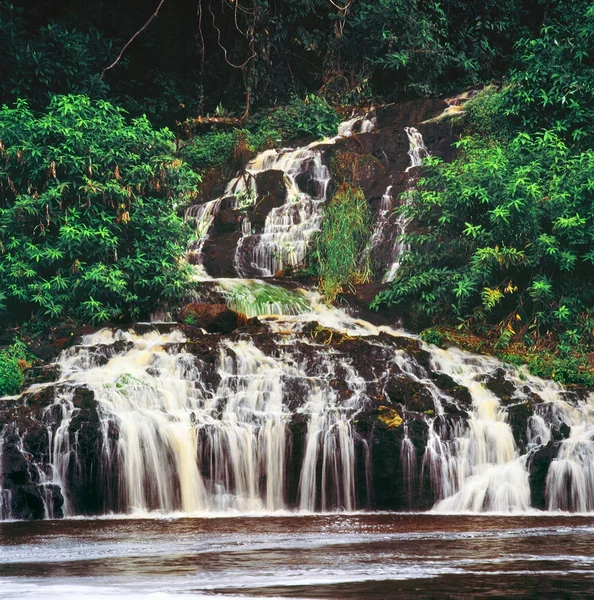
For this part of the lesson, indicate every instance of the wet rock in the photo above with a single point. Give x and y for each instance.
(538, 467)
(413, 395)
(357, 168)
(500, 386)
(41, 374)
(214, 318)
(83, 398)
(272, 193)
(219, 254)
(48, 346)
(518, 416)
(27, 503)
(453, 389)
(229, 220)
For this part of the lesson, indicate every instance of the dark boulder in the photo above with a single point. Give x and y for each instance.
(272, 193)
(214, 318)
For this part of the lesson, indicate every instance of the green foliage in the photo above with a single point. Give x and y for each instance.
(13, 360)
(257, 298)
(508, 228)
(311, 116)
(55, 59)
(553, 86)
(339, 256)
(569, 370)
(226, 150)
(431, 336)
(88, 226)
(421, 47)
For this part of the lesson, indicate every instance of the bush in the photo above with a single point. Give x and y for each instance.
(53, 59)
(431, 336)
(226, 150)
(339, 254)
(88, 226)
(13, 360)
(312, 116)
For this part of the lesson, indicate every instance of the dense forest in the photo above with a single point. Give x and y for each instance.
(116, 116)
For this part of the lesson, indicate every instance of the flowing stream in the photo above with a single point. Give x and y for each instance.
(417, 151)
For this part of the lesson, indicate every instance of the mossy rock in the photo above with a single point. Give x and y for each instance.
(357, 169)
(390, 417)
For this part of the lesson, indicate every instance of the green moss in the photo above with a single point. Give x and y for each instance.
(352, 167)
(390, 417)
(256, 298)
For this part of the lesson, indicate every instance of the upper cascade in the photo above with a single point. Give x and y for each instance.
(283, 239)
(417, 151)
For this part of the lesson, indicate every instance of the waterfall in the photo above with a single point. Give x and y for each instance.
(417, 151)
(570, 480)
(302, 409)
(273, 421)
(284, 238)
(288, 228)
(196, 437)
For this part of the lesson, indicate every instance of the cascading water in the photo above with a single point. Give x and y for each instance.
(284, 238)
(306, 409)
(417, 151)
(279, 420)
(195, 437)
(288, 228)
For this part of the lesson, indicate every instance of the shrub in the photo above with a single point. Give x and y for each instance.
(339, 254)
(312, 116)
(53, 59)
(431, 336)
(13, 360)
(88, 226)
(226, 150)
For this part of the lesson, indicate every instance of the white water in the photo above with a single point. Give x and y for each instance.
(200, 438)
(288, 228)
(417, 152)
(184, 447)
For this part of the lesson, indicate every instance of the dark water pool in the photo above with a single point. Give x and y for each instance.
(369, 556)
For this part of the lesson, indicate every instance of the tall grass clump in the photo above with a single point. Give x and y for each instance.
(339, 258)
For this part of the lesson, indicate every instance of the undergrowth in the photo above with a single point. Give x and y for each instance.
(338, 257)
(13, 361)
(566, 364)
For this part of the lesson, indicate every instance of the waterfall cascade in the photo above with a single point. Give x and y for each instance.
(308, 409)
(280, 421)
(417, 151)
(288, 228)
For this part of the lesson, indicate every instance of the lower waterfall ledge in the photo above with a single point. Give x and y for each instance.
(286, 415)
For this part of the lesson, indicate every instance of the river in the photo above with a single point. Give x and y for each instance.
(371, 556)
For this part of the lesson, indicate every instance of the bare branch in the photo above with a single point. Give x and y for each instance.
(242, 65)
(341, 8)
(117, 60)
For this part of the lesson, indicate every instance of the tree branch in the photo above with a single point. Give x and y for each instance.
(117, 60)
